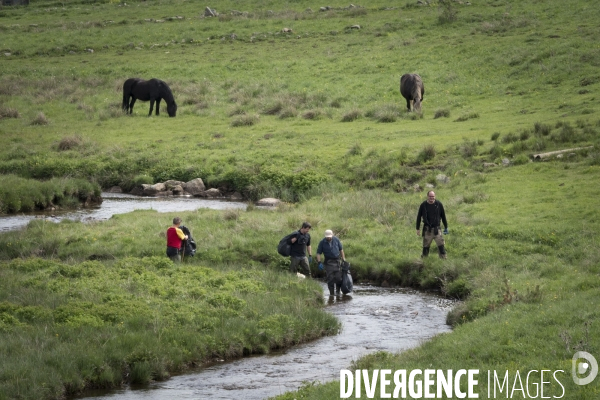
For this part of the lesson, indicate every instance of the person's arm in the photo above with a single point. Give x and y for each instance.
(293, 239)
(443, 216)
(180, 234)
(319, 251)
(343, 255)
(309, 250)
(419, 215)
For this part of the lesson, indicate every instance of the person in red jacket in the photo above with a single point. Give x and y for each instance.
(174, 238)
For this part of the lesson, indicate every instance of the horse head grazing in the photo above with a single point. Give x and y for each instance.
(412, 89)
(172, 109)
(153, 90)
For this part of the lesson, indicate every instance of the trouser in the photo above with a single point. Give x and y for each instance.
(173, 254)
(333, 270)
(302, 263)
(430, 235)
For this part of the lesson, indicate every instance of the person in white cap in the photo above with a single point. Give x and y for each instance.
(331, 248)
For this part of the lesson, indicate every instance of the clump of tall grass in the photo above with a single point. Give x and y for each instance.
(495, 136)
(466, 117)
(541, 129)
(288, 112)
(386, 113)
(447, 12)
(351, 115)
(442, 112)
(40, 119)
(9, 112)
(70, 143)
(355, 150)
(245, 120)
(426, 154)
(312, 114)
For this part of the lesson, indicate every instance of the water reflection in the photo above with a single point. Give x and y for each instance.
(115, 203)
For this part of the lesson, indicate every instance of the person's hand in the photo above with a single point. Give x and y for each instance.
(321, 268)
(310, 259)
(294, 240)
(418, 232)
(446, 231)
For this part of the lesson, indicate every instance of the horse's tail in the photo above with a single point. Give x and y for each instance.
(127, 89)
(126, 92)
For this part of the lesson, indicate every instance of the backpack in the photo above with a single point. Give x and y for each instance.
(284, 248)
(189, 245)
(346, 278)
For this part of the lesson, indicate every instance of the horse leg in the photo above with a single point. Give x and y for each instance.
(131, 105)
(157, 105)
(408, 104)
(151, 107)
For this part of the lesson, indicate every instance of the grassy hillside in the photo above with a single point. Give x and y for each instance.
(313, 117)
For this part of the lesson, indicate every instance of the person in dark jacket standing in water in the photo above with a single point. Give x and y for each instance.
(300, 244)
(433, 214)
(332, 250)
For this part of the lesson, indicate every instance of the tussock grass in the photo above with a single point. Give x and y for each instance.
(40, 119)
(245, 120)
(9, 112)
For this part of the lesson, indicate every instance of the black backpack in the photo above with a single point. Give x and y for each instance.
(189, 245)
(347, 283)
(284, 248)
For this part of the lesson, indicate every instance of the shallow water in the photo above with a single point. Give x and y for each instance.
(115, 203)
(373, 319)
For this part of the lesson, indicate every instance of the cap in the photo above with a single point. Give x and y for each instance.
(328, 233)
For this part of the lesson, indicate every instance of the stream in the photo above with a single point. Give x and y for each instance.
(373, 319)
(117, 203)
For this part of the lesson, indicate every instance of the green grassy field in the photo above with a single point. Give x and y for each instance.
(315, 118)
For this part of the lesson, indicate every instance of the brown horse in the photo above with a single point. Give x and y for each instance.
(154, 90)
(412, 89)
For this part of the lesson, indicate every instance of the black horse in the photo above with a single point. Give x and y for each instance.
(412, 89)
(153, 90)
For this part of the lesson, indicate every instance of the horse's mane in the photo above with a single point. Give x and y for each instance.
(166, 93)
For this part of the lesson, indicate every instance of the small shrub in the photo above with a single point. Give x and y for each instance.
(40, 119)
(495, 136)
(245, 120)
(541, 129)
(524, 135)
(566, 134)
(510, 138)
(443, 112)
(428, 153)
(351, 115)
(468, 149)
